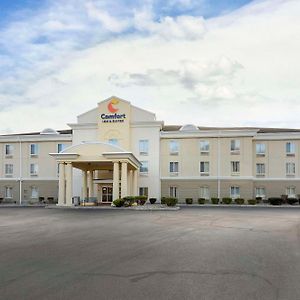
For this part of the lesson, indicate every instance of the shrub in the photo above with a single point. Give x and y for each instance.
(239, 201)
(128, 200)
(226, 200)
(201, 200)
(141, 200)
(215, 200)
(292, 201)
(163, 200)
(171, 201)
(189, 200)
(118, 202)
(275, 201)
(152, 200)
(258, 199)
(252, 201)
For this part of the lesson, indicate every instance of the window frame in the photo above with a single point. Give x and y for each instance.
(10, 194)
(142, 144)
(146, 171)
(171, 151)
(288, 169)
(234, 196)
(232, 168)
(143, 189)
(172, 189)
(260, 153)
(35, 169)
(291, 150)
(235, 149)
(207, 197)
(11, 153)
(263, 165)
(36, 147)
(7, 167)
(173, 170)
(204, 164)
(204, 151)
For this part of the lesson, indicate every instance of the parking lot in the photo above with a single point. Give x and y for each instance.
(194, 253)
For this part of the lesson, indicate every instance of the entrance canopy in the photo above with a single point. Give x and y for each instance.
(97, 159)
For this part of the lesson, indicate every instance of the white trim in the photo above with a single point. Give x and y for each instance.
(229, 178)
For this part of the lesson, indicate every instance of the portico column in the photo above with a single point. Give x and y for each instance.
(116, 179)
(61, 184)
(84, 185)
(130, 179)
(124, 180)
(91, 183)
(135, 184)
(69, 184)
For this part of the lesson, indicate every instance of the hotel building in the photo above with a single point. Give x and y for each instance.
(117, 149)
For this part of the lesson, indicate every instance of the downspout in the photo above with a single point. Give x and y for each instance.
(219, 166)
(20, 175)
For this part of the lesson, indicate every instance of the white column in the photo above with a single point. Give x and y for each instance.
(69, 184)
(116, 180)
(135, 184)
(124, 180)
(130, 179)
(84, 185)
(91, 183)
(61, 184)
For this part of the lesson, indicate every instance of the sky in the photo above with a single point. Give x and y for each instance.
(210, 63)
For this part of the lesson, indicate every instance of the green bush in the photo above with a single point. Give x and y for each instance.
(141, 200)
(292, 200)
(128, 200)
(171, 201)
(189, 200)
(226, 200)
(201, 200)
(252, 201)
(118, 202)
(215, 200)
(239, 201)
(163, 200)
(152, 200)
(258, 199)
(275, 201)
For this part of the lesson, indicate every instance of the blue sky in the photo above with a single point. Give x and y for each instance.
(220, 58)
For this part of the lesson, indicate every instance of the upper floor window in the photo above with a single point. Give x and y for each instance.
(260, 169)
(174, 147)
(144, 167)
(235, 167)
(290, 148)
(143, 191)
(173, 191)
(8, 193)
(235, 146)
(9, 150)
(234, 191)
(34, 149)
(290, 168)
(144, 147)
(61, 147)
(34, 169)
(204, 192)
(204, 146)
(113, 142)
(260, 149)
(204, 167)
(173, 167)
(9, 169)
(291, 191)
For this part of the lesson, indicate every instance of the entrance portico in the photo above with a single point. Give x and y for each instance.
(99, 162)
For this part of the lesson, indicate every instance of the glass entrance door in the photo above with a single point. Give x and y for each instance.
(107, 194)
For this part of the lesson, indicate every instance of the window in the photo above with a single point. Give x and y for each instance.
(291, 191)
(34, 192)
(260, 149)
(260, 169)
(143, 191)
(204, 147)
(33, 149)
(174, 147)
(235, 167)
(173, 191)
(235, 146)
(61, 147)
(113, 142)
(204, 192)
(290, 148)
(260, 192)
(9, 149)
(9, 169)
(144, 147)
(290, 169)
(34, 169)
(8, 192)
(234, 191)
(204, 167)
(144, 167)
(174, 167)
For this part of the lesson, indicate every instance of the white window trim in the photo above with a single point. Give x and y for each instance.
(12, 151)
(204, 187)
(171, 151)
(34, 154)
(5, 170)
(5, 194)
(235, 196)
(258, 195)
(36, 173)
(260, 174)
(37, 190)
(145, 172)
(235, 151)
(144, 153)
(286, 169)
(204, 151)
(175, 187)
(290, 153)
(260, 153)
(174, 173)
(235, 173)
(204, 173)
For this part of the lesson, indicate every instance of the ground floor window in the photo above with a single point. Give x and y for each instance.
(173, 191)
(8, 192)
(34, 192)
(234, 191)
(143, 191)
(291, 191)
(260, 192)
(204, 192)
